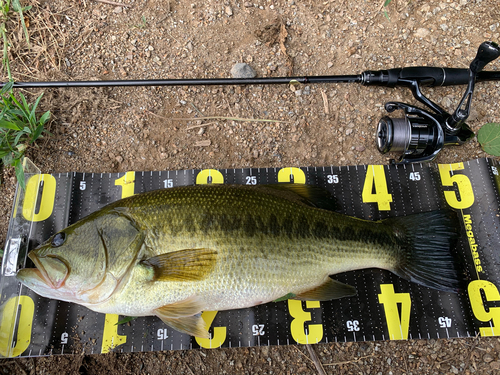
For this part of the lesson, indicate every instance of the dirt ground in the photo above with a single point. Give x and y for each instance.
(159, 128)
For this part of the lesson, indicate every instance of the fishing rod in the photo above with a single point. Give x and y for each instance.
(417, 137)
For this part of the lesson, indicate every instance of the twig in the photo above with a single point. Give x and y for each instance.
(315, 359)
(225, 118)
(200, 126)
(347, 362)
(113, 3)
(325, 102)
(196, 109)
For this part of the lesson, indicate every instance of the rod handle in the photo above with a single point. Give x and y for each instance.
(424, 75)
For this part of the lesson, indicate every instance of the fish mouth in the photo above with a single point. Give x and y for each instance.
(50, 270)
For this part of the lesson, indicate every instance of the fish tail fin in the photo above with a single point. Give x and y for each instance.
(426, 241)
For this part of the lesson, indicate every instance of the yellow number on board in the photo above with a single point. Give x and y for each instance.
(24, 326)
(462, 182)
(286, 175)
(375, 188)
(46, 199)
(220, 333)
(481, 312)
(127, 182)
(314, 334)
(205, 175)
(398, 325)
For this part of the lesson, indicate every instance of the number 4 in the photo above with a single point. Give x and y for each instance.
(375, 188)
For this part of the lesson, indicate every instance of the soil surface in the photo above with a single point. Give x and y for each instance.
(169, 128)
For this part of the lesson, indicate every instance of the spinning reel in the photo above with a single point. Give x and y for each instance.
(421, 134)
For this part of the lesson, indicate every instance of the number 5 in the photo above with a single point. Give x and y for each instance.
(462, 182)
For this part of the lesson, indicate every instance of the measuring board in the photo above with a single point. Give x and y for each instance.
(386, 306)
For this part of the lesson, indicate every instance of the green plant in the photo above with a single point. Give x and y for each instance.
(19, 128)
(489, 138)
(5, 6)
(386, 4)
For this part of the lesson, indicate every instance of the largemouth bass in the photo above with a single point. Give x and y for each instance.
(176, 252)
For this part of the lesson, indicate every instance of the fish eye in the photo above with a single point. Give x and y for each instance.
(58, 239)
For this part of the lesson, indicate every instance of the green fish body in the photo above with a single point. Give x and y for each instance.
(176, 252)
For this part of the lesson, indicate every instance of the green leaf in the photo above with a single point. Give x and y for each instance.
(125, 320)
(20, 173)
(489, 138)
(8, 125)
(7, 87)
(44, 118)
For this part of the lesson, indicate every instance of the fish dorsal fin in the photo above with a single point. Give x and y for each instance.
(313, 196)
(183, 265)
(184, 316)
(330, 289)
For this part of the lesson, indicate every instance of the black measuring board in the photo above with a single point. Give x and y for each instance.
(385, 308)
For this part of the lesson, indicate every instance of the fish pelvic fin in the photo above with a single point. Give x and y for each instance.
(184, 316)
(330, 289)
(183, 265)
(426, 241)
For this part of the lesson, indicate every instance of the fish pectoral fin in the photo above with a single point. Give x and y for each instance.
(183, 265)
(184, 316)
(192, 325)
(330, 289)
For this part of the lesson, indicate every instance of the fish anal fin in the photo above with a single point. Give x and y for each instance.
(187, 307)
(192, 325)
(330, 289)
(183, 265)
(184, 316)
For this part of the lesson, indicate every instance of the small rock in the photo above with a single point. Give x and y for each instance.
(360, 148)
(446, 102)
(422, 32)
(242, 70)
(348, 132)
(189, 46)
(329, 65)
(487, 358)
(119, 159)
(201, 131)
(229, 11)
(495, 365)
(204, 143)
(247, 4)
(117, 10)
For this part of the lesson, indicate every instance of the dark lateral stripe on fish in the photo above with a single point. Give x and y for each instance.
(293, 228)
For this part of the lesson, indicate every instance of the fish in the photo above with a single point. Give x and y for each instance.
(174, 253)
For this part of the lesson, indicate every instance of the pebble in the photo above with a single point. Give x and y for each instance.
(242, 70)
(487, 358)
(229, 11)
(348, 132)
(422, 32)
(495, 365)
